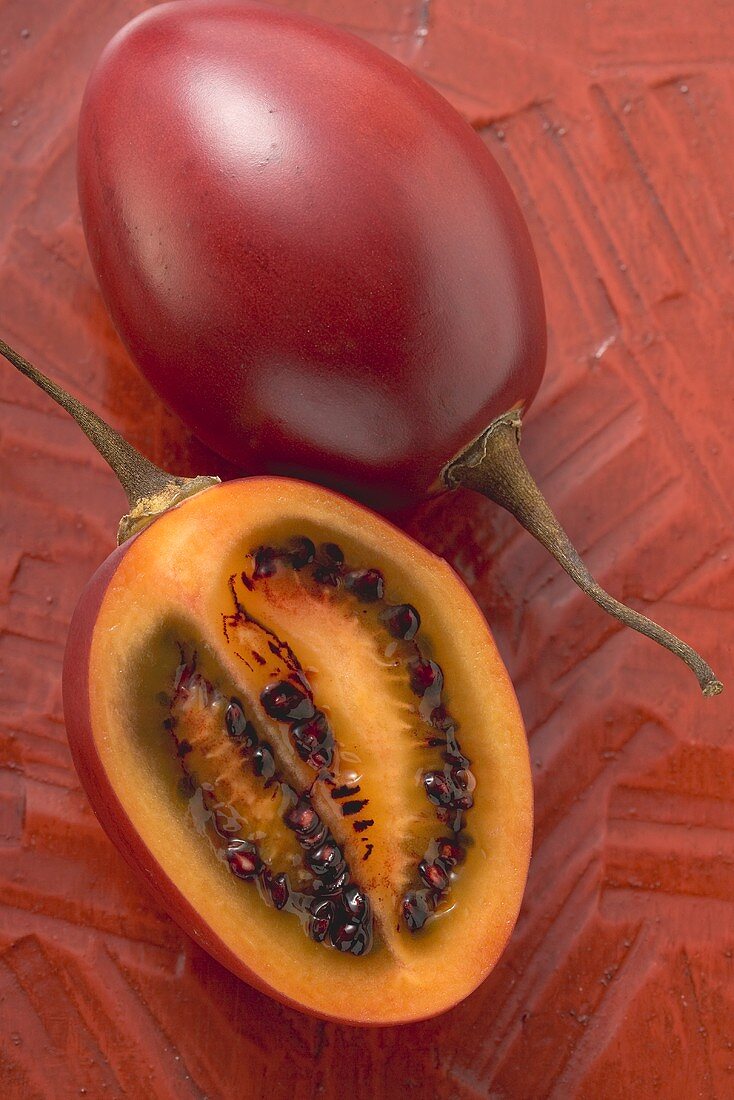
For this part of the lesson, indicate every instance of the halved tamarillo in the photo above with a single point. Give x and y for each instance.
(293, 722)
(318, 264)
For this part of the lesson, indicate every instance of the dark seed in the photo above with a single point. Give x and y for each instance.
(354, 900)
(335, 878)
(284, 699)
(243, 860)
(266, 562)
(449, 852)
(314, 839)
(279, 890)
(367, 585)
(464, 779)
(425, 675)
(308, 736)
(415, 909)
(317, 928)
(361, 942)
(249, 737)
(302, 817)
(403, 621)
(322, 914)
(333, 553)
(324, 859)
(332, 885)
(438, 788)
(322, 757)
(434, 875)
(234, 719)
(301, 552)
(238, 728)
(326, 574)
(343, 935)
(184, 747)
(262, 760)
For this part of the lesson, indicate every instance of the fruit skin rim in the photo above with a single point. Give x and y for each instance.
(112, 816)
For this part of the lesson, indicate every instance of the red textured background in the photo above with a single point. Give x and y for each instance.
(613, 120)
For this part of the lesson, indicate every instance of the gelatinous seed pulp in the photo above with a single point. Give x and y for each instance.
(335, 910)
(322, 856)
(451, 788)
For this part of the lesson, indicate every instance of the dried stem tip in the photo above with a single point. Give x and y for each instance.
(493, 466)
(149, 489)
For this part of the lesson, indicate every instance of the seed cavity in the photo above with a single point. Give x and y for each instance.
(334, 909)
(336, 912)
(343, 902)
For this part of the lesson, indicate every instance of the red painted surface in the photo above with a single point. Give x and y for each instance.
(613, 122)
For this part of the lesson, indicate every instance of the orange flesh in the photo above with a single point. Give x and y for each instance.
(173, 587)
(225, 794)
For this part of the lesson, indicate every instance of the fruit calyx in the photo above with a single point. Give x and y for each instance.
(149, 489)
(493, 466)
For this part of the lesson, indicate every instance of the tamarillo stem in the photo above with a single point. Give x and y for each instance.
(494, 467)
(149, 489)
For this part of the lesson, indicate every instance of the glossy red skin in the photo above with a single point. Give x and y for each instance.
(307, 251)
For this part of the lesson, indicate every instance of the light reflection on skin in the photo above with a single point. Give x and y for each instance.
(231, 128)
(233, 119)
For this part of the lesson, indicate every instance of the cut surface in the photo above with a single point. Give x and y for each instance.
(293, 719)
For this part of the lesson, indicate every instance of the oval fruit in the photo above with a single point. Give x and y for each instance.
(308, 252)
(318, 264)
(293, 721)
